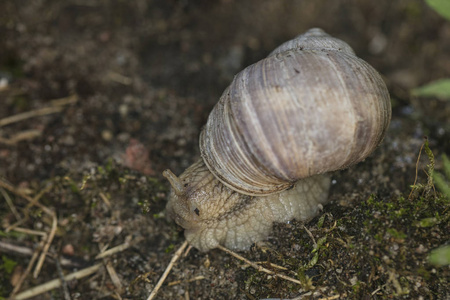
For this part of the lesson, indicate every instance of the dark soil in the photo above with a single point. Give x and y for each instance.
(131, 83)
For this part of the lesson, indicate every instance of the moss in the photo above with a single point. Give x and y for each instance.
(7, 266)
(87, 204)
(378, 248)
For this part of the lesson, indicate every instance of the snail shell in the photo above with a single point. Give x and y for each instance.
(309, 108)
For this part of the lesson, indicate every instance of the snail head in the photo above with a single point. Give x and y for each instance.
(198, 201)
(196, 197)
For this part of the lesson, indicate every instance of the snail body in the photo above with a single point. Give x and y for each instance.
(311, 107)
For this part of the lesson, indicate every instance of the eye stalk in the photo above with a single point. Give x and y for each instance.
(175, 182)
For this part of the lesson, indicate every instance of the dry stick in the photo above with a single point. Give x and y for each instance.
(52, 284)
(105, 199)
(57, 107)
(30, 231)
(311, 236)
(18, 223)
(376, 291)
(34, 201)
(11, 248)
(257, 267)
(270, 264)
(30, 114)
(65, 288)
(119, 248)
(109, 267)
(28, 269)
(201, 277)
(417, 171)
(10, 203)
(21, 136)
(301, 297)
(185, 254)
(52, 233)
(331, 297)
(113, 275)
(46, 246)
(65, 100)
(21, 250)
(175, 257)
(119, 78)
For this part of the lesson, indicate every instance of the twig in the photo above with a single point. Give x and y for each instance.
(257, 267)
(25, 251)
(417, 171)
(57, 107)
(64, 286)
(47, 245)
(185, 254)
(65, 100)
(30, 231)
(119, 248)
(113, 275)
(119, 78)
(332, 297)
(30, 114)
(10, 203)
(270, 264)
(21, 136)
(175, 257)
(189, 280)
(109, 267)
(32, 202)
(376, 291)
(35, 200)
(18, 223)
(11, 248)
(55, 283)
(395, 282)
(28, 269)
(105, 199)
(311, 236)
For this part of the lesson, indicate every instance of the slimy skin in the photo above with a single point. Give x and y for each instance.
(212, 214)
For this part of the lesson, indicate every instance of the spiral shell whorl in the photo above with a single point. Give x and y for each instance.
(309, 108)
(314, 39)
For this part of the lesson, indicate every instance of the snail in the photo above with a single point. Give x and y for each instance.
(283, 124)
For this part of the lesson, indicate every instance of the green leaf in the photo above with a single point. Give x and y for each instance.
(427, 222)
(446, 162)
(442, 7)
(440, 256)
(313, 261)
(441, 184)
(396, 234)
(8, 264)
(321, 220)
(170, 248)
(439, 88)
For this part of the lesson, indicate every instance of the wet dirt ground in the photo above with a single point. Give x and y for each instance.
(118, 91)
